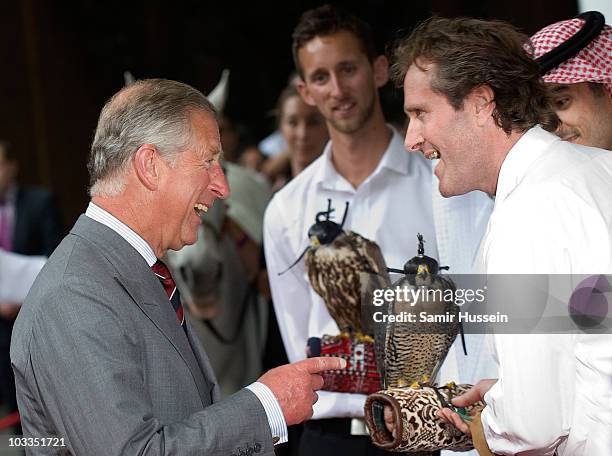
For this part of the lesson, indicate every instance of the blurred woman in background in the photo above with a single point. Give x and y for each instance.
(304, 130)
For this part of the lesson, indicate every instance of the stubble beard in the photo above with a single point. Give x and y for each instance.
(353, 125)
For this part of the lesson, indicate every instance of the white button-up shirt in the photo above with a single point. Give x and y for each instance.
(552, 215)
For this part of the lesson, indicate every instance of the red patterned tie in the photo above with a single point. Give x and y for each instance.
(163, 274)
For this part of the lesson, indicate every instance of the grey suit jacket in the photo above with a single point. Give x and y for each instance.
(101, 360)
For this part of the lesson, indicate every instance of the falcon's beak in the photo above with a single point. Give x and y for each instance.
(315, 241)
(422, 269)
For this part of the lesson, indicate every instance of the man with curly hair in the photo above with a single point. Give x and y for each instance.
(476, 101)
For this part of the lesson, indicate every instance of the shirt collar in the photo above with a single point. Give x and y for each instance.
(106, 218)
(395, 159)
(521, 157)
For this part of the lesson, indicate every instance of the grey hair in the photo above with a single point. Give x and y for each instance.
(149, 111)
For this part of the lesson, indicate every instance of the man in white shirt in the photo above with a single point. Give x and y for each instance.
(575, 57)
(475, 100)
(390, 201)
(105, 361)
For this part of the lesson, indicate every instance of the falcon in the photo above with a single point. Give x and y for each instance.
(341, 265)
(412, 352)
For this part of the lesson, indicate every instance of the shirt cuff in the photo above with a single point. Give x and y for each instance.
(338, 405)
(276, 419)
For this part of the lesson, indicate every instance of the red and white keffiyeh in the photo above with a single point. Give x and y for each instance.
(591, 64)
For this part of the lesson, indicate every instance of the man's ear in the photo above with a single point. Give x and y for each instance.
(482, 103)
(305, 93)
(147, 163)
(381, 71)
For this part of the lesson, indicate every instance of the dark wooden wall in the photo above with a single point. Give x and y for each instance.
(62, 60)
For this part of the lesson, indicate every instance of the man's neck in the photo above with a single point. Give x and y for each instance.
(502, 144)
(134, 216)
(356, 155)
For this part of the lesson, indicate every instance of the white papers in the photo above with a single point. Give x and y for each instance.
(17, 273)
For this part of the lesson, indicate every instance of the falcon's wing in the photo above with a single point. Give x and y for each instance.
(375, 279)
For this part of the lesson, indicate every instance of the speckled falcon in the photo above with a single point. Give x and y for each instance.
(414, 350)
(336, 261)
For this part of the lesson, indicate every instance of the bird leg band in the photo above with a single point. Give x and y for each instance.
(417, 426)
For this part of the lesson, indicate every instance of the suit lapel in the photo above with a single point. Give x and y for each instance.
(150, 296)
(203, 361)
(134, 275)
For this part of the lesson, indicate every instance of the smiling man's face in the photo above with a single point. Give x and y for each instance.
(340, 80)
(585, 111)
(192, 184)
(439, 131)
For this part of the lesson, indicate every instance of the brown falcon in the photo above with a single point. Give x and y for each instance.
(414, 350)
(339, 263)
(409, 353)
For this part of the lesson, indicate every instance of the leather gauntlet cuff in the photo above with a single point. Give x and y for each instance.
(417, 425)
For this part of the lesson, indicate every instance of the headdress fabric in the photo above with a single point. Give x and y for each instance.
(591, 64)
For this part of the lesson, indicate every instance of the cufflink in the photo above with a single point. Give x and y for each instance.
(275, 440)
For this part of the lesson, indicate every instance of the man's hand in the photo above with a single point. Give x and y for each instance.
(294, 385)
(473, 395)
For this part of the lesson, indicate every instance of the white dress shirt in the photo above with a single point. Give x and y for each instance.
(461, 222)
(276, 419)
(460, 225)
(552, 215)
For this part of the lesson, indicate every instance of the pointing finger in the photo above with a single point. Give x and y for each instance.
(320, 364)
